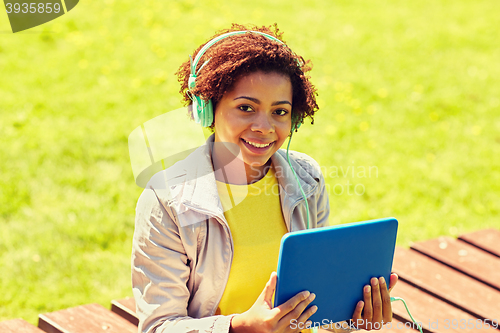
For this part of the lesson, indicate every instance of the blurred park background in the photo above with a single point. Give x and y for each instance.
(408, 88)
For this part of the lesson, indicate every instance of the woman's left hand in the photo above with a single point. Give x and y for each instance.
(375, 310)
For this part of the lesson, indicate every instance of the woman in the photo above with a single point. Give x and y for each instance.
(205, 245)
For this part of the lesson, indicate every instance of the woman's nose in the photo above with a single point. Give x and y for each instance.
(263, 123)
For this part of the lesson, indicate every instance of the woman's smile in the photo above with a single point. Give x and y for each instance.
(256, 144)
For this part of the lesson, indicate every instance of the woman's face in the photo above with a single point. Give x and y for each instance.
(256, 115)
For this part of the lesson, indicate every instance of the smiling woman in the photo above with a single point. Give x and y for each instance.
(205, 250)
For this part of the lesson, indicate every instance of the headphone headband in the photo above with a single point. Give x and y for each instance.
(194, 63)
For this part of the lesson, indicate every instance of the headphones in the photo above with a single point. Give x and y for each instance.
(203, 111)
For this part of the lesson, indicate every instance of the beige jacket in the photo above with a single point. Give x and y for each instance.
(183, 249)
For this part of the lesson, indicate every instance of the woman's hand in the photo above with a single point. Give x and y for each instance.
(262, 317)
(376, 308)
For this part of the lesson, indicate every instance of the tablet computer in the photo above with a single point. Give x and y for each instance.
(335, 263)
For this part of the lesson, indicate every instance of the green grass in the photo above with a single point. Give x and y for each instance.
(407, 88)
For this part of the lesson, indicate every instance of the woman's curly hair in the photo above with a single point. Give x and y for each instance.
(239, 55)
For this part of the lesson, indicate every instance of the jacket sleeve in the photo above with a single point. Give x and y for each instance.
(160, 272)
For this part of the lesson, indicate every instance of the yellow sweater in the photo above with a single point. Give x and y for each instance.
(254, 215)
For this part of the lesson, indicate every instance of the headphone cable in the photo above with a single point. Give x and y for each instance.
(297, 178)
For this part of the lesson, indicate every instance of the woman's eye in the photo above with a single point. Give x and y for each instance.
(246, 108)
(281, 112)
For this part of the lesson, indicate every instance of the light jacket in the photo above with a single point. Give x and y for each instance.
(182, 248)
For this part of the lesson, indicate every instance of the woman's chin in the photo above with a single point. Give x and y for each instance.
(252, 163)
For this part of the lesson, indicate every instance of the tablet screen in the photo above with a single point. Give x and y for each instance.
(335, 263)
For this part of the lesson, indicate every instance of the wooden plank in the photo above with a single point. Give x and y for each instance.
(90, 318)
(18, 326)
(463, 257)
(434, 314)
(447, 284)
(488, 240)
(125, 308)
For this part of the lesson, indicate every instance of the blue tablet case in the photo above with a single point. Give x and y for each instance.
(335, 263)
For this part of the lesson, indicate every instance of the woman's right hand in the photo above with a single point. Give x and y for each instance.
(263, 318)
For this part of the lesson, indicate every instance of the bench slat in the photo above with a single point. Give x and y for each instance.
(125, 308)
(463, 257)
(18, 326)
(447, 284)
(487, 240)
(90, 318)
(434, 314)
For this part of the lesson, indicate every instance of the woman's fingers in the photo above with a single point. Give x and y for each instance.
(386, 301)
(376, 305)
(295, 310)
(290, 305)
(368, 309)
(268, 291)
(356, 317)
(394, 280)
(309, 312)
(376, 301)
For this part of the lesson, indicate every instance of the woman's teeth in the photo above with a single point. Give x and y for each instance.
(258, 145)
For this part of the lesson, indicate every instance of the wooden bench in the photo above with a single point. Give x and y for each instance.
(450, 285)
